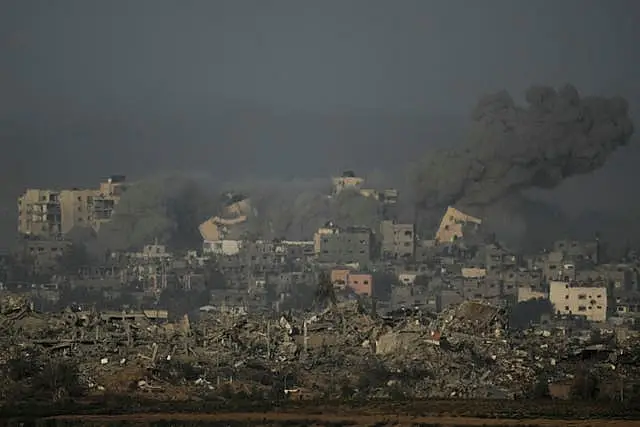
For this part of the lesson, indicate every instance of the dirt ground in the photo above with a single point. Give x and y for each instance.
(283, 418)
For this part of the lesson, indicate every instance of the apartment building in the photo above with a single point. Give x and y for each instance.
(336, 245)
(50, 214)
(590, 302)
(39, 213)
(398, 240)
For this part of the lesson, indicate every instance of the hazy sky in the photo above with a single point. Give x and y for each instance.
(287, 87)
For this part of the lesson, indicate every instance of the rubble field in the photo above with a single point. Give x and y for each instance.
(464, 362)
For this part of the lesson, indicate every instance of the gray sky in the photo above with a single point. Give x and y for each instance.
(89, 88)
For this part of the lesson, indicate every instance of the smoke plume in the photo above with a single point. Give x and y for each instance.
(169, 209)
(556, 135)
(512, 148)
(166, 209)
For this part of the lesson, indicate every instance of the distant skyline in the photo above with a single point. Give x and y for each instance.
(279, 88)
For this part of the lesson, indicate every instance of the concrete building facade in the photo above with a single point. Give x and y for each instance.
(590, 302)
(398, 240)
(342, 246)
(360, 283)
(50, 214)
(39, 213)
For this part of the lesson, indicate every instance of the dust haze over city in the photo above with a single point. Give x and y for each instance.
(518, 113)
(290, 90)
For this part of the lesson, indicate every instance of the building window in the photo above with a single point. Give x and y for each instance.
(582, 308)
(566, 308)
(582, 296)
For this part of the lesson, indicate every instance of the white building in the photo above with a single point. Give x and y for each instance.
(221, 247)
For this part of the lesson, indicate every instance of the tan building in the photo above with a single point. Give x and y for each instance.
(39, 213)
(51, 214)
(452, 224)
(590, 302)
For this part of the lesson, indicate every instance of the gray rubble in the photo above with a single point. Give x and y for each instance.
(342, 351)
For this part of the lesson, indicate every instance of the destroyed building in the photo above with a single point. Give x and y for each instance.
(452, 225)
(223, 234)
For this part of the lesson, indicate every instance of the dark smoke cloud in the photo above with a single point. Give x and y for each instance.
(295, 209)
(512, 148)
(166, 209)
(170, 208)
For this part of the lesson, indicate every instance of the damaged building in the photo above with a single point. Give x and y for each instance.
(223, 234)
(51, 214)
(453, 225)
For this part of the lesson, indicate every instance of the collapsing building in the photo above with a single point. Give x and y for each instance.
(454, 224)
(222, 234)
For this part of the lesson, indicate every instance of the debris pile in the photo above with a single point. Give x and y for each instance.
(343, 351)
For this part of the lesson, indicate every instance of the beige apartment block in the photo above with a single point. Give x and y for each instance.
(590, 302)
(39, 213)
(51, 214)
